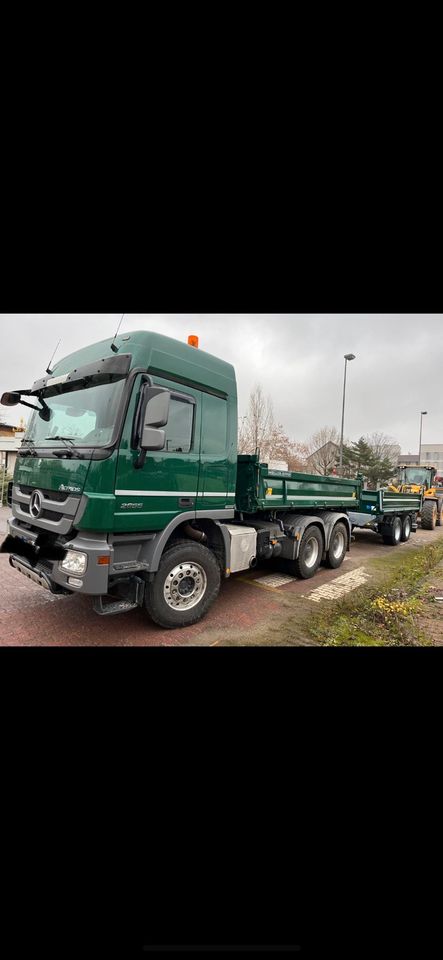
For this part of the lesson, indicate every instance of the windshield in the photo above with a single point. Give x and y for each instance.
(415, 475)
(87, 417)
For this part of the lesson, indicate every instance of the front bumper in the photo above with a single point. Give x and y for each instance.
(48, 574)
(34, 574)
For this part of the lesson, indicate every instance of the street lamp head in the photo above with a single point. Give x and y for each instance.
(349, 356)
(423, 412)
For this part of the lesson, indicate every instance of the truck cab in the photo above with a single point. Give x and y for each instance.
(130, 443)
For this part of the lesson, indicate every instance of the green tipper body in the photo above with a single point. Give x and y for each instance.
(378, 502)
(260, 488)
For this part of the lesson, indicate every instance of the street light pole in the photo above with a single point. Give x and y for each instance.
(348, 356)
(422, 414)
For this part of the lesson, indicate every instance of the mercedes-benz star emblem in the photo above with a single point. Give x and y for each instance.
(36, 504)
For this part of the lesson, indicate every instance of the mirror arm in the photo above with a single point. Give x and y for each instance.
(146, 380)
(31, 405)
(140, 461)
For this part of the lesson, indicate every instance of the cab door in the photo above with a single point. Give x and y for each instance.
(213, 488)
(166, 486)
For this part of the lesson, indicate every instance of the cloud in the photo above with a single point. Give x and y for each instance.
(297, 358)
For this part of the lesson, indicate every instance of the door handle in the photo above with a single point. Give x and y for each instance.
(186, 502)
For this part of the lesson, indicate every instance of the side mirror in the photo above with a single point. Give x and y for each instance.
(10, 399)
(152, 439)
(155, 407)
(155, 413)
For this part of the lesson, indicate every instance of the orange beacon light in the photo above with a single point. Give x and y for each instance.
(192, 340)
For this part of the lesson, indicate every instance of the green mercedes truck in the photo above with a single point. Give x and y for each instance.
(128, 487)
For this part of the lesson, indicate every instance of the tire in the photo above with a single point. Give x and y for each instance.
(439, 521)
(337, 546)
(196, 569)
(429, 515)
(392, 536)
(310, 554)
(406, 528)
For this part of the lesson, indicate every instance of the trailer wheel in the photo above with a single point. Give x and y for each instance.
(439, 521)
(406, 528)
(429, 515)
(186, 584)
(337, 546)
(310, 554)
(392, 536)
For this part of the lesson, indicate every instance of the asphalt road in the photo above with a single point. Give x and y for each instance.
(31, 616)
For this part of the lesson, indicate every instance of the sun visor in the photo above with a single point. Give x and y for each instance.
(92, 374)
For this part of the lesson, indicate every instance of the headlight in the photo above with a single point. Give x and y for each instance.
(74, 562)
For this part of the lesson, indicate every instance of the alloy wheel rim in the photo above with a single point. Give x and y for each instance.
(338, 544)
(185, 585)
(310, 553)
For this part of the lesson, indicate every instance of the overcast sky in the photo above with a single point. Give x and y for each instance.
(297, 358)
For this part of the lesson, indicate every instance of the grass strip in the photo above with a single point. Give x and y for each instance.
(385, 612)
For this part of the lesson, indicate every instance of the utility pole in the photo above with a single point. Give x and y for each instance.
(422, 414)
(348, 356)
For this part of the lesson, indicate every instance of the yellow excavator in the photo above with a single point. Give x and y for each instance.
(418, 478)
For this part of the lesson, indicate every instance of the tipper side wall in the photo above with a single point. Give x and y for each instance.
(260, 488)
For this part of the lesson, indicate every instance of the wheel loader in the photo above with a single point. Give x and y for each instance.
(418, 478)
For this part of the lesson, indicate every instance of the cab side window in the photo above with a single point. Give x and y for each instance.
(178, 430)
(215, 425)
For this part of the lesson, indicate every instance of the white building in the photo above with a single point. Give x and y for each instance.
(432, 453)
(8, 452)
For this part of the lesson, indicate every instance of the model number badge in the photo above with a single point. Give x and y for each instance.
(133, 506)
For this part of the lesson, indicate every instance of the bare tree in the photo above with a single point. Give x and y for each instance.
(323, 451)
(384, 447)
(257, 428)
(385, 451)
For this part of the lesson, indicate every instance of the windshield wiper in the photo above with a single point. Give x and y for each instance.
(58, 437)
(64, 439)
(28, 452)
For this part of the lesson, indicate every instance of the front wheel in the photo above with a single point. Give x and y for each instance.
(429, 515)
(439, 521)
(186, 584)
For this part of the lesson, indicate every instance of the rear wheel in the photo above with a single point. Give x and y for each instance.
(186, 584)
(429, 515)
(406, 529)
(310, 554)
(392, 535)
(337, 546)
